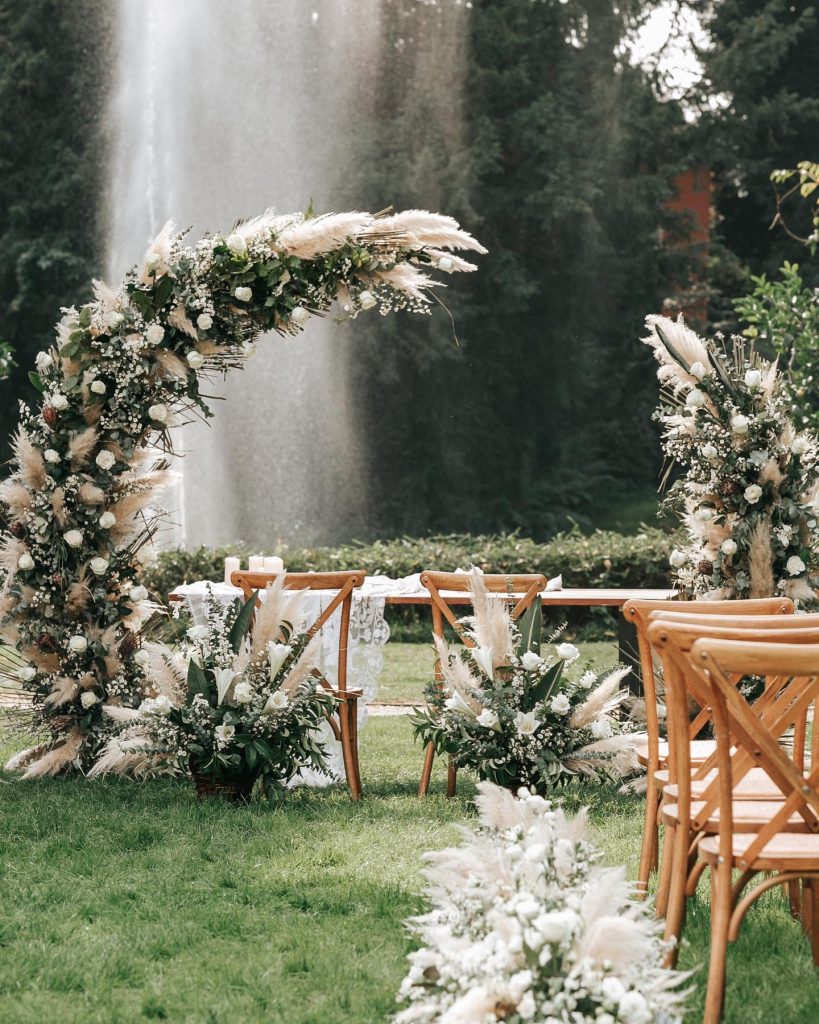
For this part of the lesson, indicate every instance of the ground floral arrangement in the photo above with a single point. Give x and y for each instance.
(238, 704)
(81, 504)
(507, 711)
(525, 927)
(749, 493)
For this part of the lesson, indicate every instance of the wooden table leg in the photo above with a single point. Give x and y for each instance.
(630, 654)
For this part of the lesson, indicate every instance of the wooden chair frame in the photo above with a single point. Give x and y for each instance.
(344, 722)
(638, 612)
(525, 588)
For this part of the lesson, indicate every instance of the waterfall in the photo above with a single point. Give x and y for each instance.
(219, 110)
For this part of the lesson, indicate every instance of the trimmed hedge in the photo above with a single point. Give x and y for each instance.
(600, 559)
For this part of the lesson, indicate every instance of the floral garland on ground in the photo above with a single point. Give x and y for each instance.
(125, 368)
(524, 927)
(508, 713)
(749, 495)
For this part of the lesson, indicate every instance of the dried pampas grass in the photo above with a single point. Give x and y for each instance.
(491, 625)
(90, 494)
(760, 560)
(59, 757)
(31, 467)
(16, 497)
(601, 701)
(179, 318)
(685, 341)
(457, 676)
(62, 691)
(81, 446)
(301, 672)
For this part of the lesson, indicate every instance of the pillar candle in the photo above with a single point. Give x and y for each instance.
(256, 563)
(231, 565)
(273, 564)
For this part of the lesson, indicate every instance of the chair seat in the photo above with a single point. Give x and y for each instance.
(748, 816)
(701, 750)
(756, 785)
(788, 851)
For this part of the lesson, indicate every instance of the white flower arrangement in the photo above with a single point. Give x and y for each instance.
(525, 926)
(749, 493)
(507, 711)
(124, 369)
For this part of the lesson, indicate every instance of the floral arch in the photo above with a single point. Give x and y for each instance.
(90, 461)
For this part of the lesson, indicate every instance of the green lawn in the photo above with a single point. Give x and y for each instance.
(123, 902)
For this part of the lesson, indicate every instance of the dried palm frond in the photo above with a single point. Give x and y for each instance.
(760, 560)
(81, 446)
(60, 756)
(31, 467)
(166, 672)
(16, 497)
(119, 714)
(491, 624)
(601, 701)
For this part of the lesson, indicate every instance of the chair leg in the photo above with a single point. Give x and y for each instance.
(648, 851)
(451, 778)
(426, 774)
(354, 746)
(675, 907)
(795, 900)
(665, 871)
(721, 906)
(349, 755)
(813, 887)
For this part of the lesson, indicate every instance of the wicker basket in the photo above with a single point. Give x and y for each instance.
(236, 792)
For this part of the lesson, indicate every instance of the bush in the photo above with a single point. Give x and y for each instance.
(599, 559)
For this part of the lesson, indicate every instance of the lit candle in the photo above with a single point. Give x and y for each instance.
(273, 564)
(232, 565)
(256, 563)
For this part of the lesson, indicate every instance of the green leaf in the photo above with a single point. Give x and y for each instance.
(547, 685)
(242, 624)
(197, 680)
(531, 628)
(36, 380)
(672, 351)
(85, 316)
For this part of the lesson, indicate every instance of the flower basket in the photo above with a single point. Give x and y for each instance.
(207, 788)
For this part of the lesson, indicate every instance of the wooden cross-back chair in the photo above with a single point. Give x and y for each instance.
(344, 721)
(654, 753)
(523, 589)
(688, 806)
(785, 848)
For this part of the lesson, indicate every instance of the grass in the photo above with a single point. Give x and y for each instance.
(134, 903)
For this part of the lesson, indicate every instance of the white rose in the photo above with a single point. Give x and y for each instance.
(236, 243)
(698, 370)
(204, 321)
(142, 658)
(78, 644)
(106, 460)
(729, 547)
(795, 565)
(753, 493)
(601, 729)
(560, 704)
(753, 378)
(557, 926)
(43, 362)
(488, 719)
(634, 1009)
(695, 399)
(58, 402)
(195, 360)
(299, 316)
(709, 451)
(445, 264)
(138, 593)
(677, 558)
(114, 319)
(158, 413)
(107, 520)
(243, 294)
(224, 734)
(531, 661)
(98, 387)
(25, 562)
(739, 424)
(704, 514)
(155, 334)
(242, 693)
(587, 679)
(160, 705)
(99, 566)
(73, 538)
(800, 445)
(275, 702)
(366, 300)
(26, 673)
(568, 652)
(277, 655)
(88, 699)
(526, 724)
(52, 456)
(613, 990)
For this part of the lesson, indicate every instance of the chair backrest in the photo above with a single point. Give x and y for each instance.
(746, 738)
(523, 588)
(344, 583)
(640, 612)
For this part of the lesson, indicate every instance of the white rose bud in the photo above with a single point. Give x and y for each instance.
(729, 547)
(753, 494)
(531, 661)
(43, 362)
(704, 514)
(78, 644)
(107, 520)
(800, 445)
(138, 593)
(142, 658)
(155, 334)
(99, 566)
(27, 673)
(445, 264)
(105, 460)
(243, 294)
(158, 413)
(677, 559)
(195, 360)
(98, 387)
(366, 300)
(739, 424)
(299, 316)
(560, 704)
(242, 693)
(568, 652)
(25, 562)
(237, 244)
(114, 319)
(753, 378)
(51, 456)
(88, 699)
(795, 565)
(204, 321)
(58, 402)
(698, 370)
(695, 399)
(73, 538)
(709, 451)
